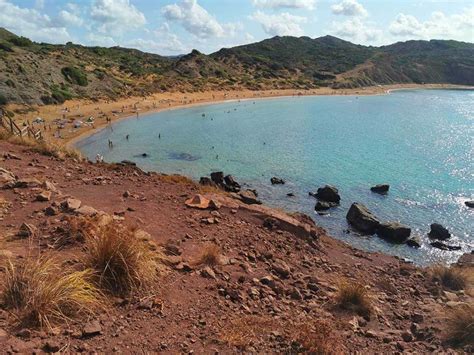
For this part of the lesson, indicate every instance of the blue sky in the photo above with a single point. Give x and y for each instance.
(176, 26)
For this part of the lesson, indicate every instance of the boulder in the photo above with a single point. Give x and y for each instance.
(466, 260)
(440, 245)
(91, 329)
(24, 183)
(218, 177)
(413, 242)
(86, 211)
(380, 188)
(394, 232)
(438, 232)
(230, 184)
(281, 269)
(322, 206)
(49, 186)
(71, 204)
(44, 196)
(277, 181)
(198, 201)
(6, 177)
(328, 193)
(249, 197)
(469, 204)
(127, 163)
(362, 219)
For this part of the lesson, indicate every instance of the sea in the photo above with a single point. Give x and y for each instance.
(420, 142)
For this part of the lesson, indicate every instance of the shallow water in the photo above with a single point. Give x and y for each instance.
(420, 142)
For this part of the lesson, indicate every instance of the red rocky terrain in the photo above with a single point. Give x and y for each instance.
(273, 288)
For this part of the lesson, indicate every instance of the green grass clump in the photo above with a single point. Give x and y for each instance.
(75, 76)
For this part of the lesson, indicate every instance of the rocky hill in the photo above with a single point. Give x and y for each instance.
(40, 73)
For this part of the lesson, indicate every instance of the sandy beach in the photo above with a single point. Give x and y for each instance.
(103, 112)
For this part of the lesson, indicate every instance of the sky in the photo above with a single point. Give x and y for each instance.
(172, 27)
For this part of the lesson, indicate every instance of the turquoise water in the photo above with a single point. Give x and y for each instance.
(420, 142)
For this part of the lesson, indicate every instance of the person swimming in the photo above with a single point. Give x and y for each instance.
(126, 137)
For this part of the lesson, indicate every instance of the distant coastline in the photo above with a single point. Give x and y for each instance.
(81, 110)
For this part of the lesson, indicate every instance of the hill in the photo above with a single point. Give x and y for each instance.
(41, 73)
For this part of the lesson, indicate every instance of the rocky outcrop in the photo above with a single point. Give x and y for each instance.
(438, 232)
(230, 184)
(380, 188)
(361, 219)
(218, 178)
(205, 181)
(469, 204)
(328, 193)
(249, 197)
(323, 206)
(277, 181)
(394, 232)
(440, 245)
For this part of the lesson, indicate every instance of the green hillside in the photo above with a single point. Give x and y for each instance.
(40, 73)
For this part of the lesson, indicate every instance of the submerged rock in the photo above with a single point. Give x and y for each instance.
(362, 219)
(413, 242)
(438, 232)
(394, 232)
(380, 188)
(469, 204)
(277, 181)
(443, 246)
(328, 193)
(322, 206)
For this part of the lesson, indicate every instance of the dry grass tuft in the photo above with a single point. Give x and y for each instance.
(210, 256)
(176, 179)
(42, 292)
(354, 296)
(460, 326)
(243, 331)
(75, 230)
(319, 338)
(450, 277)
(123, 264)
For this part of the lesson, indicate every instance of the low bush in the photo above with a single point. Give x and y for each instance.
(75, 76)
(450, 277)
(41, 292)
(460, 325)
(354, 296)
(123, 264)
(317, 337)
(210, 256)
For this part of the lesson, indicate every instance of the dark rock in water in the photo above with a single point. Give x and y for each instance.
(230, 184)
(218, 177)
(380, 188)
(442, 246)
(394, 232)
(362, 219)
(128, 162)
(312, 194)
(143, 155)
(469, 204)
(183, 156)
(324, 205)
(290, 194)
(328, 193)
(413, 242)
(277, 181)
(249, 197)
(205, 181)
(438, 232)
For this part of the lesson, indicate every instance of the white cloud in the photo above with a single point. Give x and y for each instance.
(438, 26)
(283, 24)
(31, 23)
(197, 21)
(356, 30)
(349, 8)
(291, 4)
(66, 18)
(100, 40)
(116, 16)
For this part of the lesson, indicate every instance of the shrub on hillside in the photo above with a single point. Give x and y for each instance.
(20, 41)
(42, 292)
(450, 277)
(354, 296)
(460, 325)
(3, 100)
(75, 76)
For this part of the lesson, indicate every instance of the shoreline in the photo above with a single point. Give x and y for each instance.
(124, 108)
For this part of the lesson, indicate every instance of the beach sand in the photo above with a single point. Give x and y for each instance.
(105, 111)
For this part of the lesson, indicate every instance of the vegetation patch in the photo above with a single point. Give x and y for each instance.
(354, 296)
(460, 326)
(123, 264)
(75, 76)
(41, 292)
(450, 277)
(3, 100)
(210, 256)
